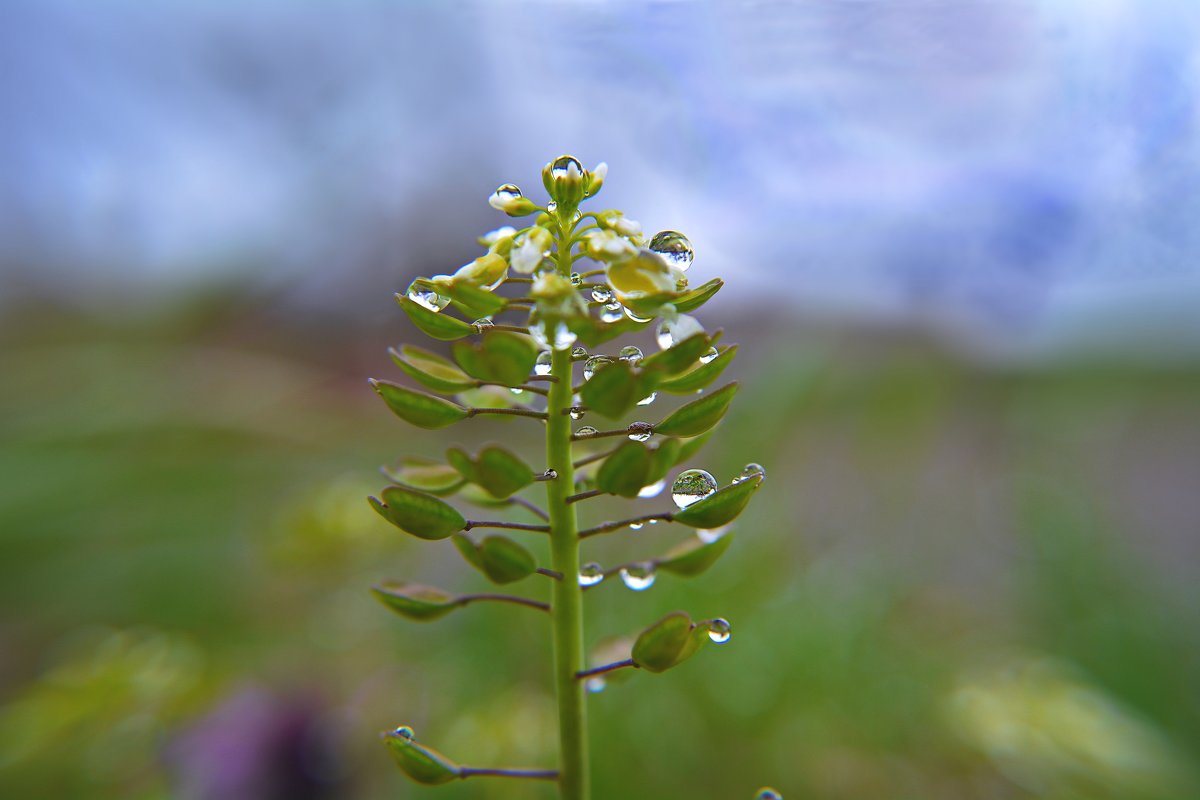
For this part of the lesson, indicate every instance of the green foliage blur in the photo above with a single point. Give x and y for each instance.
(957, 582)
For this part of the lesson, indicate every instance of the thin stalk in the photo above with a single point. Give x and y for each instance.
(567, 597)
(514, 526)
(616, 665)
(530, 507)
(515, 412)
(467, 599)
(575, 498)
(608, 527)
(531, 774)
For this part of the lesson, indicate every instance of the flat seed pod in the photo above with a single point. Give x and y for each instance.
(694, 556)
(699, 376)
(415, 601)
(698, 416)
(690, 446)
(663, 644)
(593, 333)
(420, 514)
(721, 507)
(474, 301)
(433, 323)
(625, 472)
(418, 408)
(612, 390)
(431, 370)
(469, 549)
(425, 475)
(500, 472)
(676, 359)
(697, 297)
(500, 356)
(662, 458)
(422, 764)
(505, 561)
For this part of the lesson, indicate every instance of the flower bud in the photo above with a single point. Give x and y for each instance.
(508, 198)
(529, 249)
(614, 220)
(498, 241)
(486, 272)
(607, 245)
(556, 296)
(644, 274)
(563, 178)
(592, 181)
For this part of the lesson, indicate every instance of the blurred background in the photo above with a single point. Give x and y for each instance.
(960, 247)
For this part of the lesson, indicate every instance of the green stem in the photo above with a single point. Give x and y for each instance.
(567, 602)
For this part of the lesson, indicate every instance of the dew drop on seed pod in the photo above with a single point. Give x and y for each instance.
(552, 206)
(428, 298)
(592, 364)
(482, 324)
(579, 352)
(576, 279)
(692, 485)
(555, 337)
(590, 574)
(639, 577)
(709, 355)
(648, 399)
(631, 353)
(664, 336)
(561, 167)
(595, 684)
(636, 526)
(550, 474)
(577, 412)
(509, 192)
(542, 365)
(635, 317)
(751, 470)
(601, 294)
(406, 733)
(586, 430)
(767, 793)
(710, 535)
(612, 315)
(719, 630)
(652, 489)
(674, 247)
(640, 431)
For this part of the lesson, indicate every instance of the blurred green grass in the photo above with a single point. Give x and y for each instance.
(957, 582)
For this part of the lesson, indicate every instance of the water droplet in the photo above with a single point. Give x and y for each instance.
(692, 485)
(542, 365)
(586, 430)
(406, 733)
(751, 470)
(577, 412)
(550, 474)
(595, 684)
(556, 337)
(482, 324)
(648, 399)
(576, 279)
(663, 336)
(636, 526)
(592, 364)
(635, 317)
(508, 192)
(579, 353)
(601, 294)
(709, 355)
(640, 431)
(767, 793)
(710, 535)
(632, 354)
(652, 489)
(652, 521)
(674, 247)
(590, 574)
(561, 168)
(719, 630)
(611, 315)
(516, 391)
(427, 298)
(638, 577)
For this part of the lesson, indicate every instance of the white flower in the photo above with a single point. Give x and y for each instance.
(595, 179)
(529, 249)
(607, 245)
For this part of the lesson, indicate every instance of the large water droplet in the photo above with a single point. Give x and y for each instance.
(692, 485)
(576, 279)
(542, 365)
(648, 399)
(611, 315)
(586, 430)
(640, 431)
(561, 168)
(508, 192)
(595, 684)
(767, 793)
(427, 298)
(751, 470)
(482, 324)
(577, 412)
(635, 317)
(406, 733)
(602, 294)
(674, 247)
(639, 577)
(631, 353)
(555, 337)
(709, 355)
(663, 336)
(590, 574)
(592, 364)
(579, 353)
(652, 489)
(719, 630)
(710, 535)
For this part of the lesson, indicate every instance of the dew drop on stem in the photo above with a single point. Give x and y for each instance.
(542, 365)
(640, 431)
(639, 577)
(590, 574)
